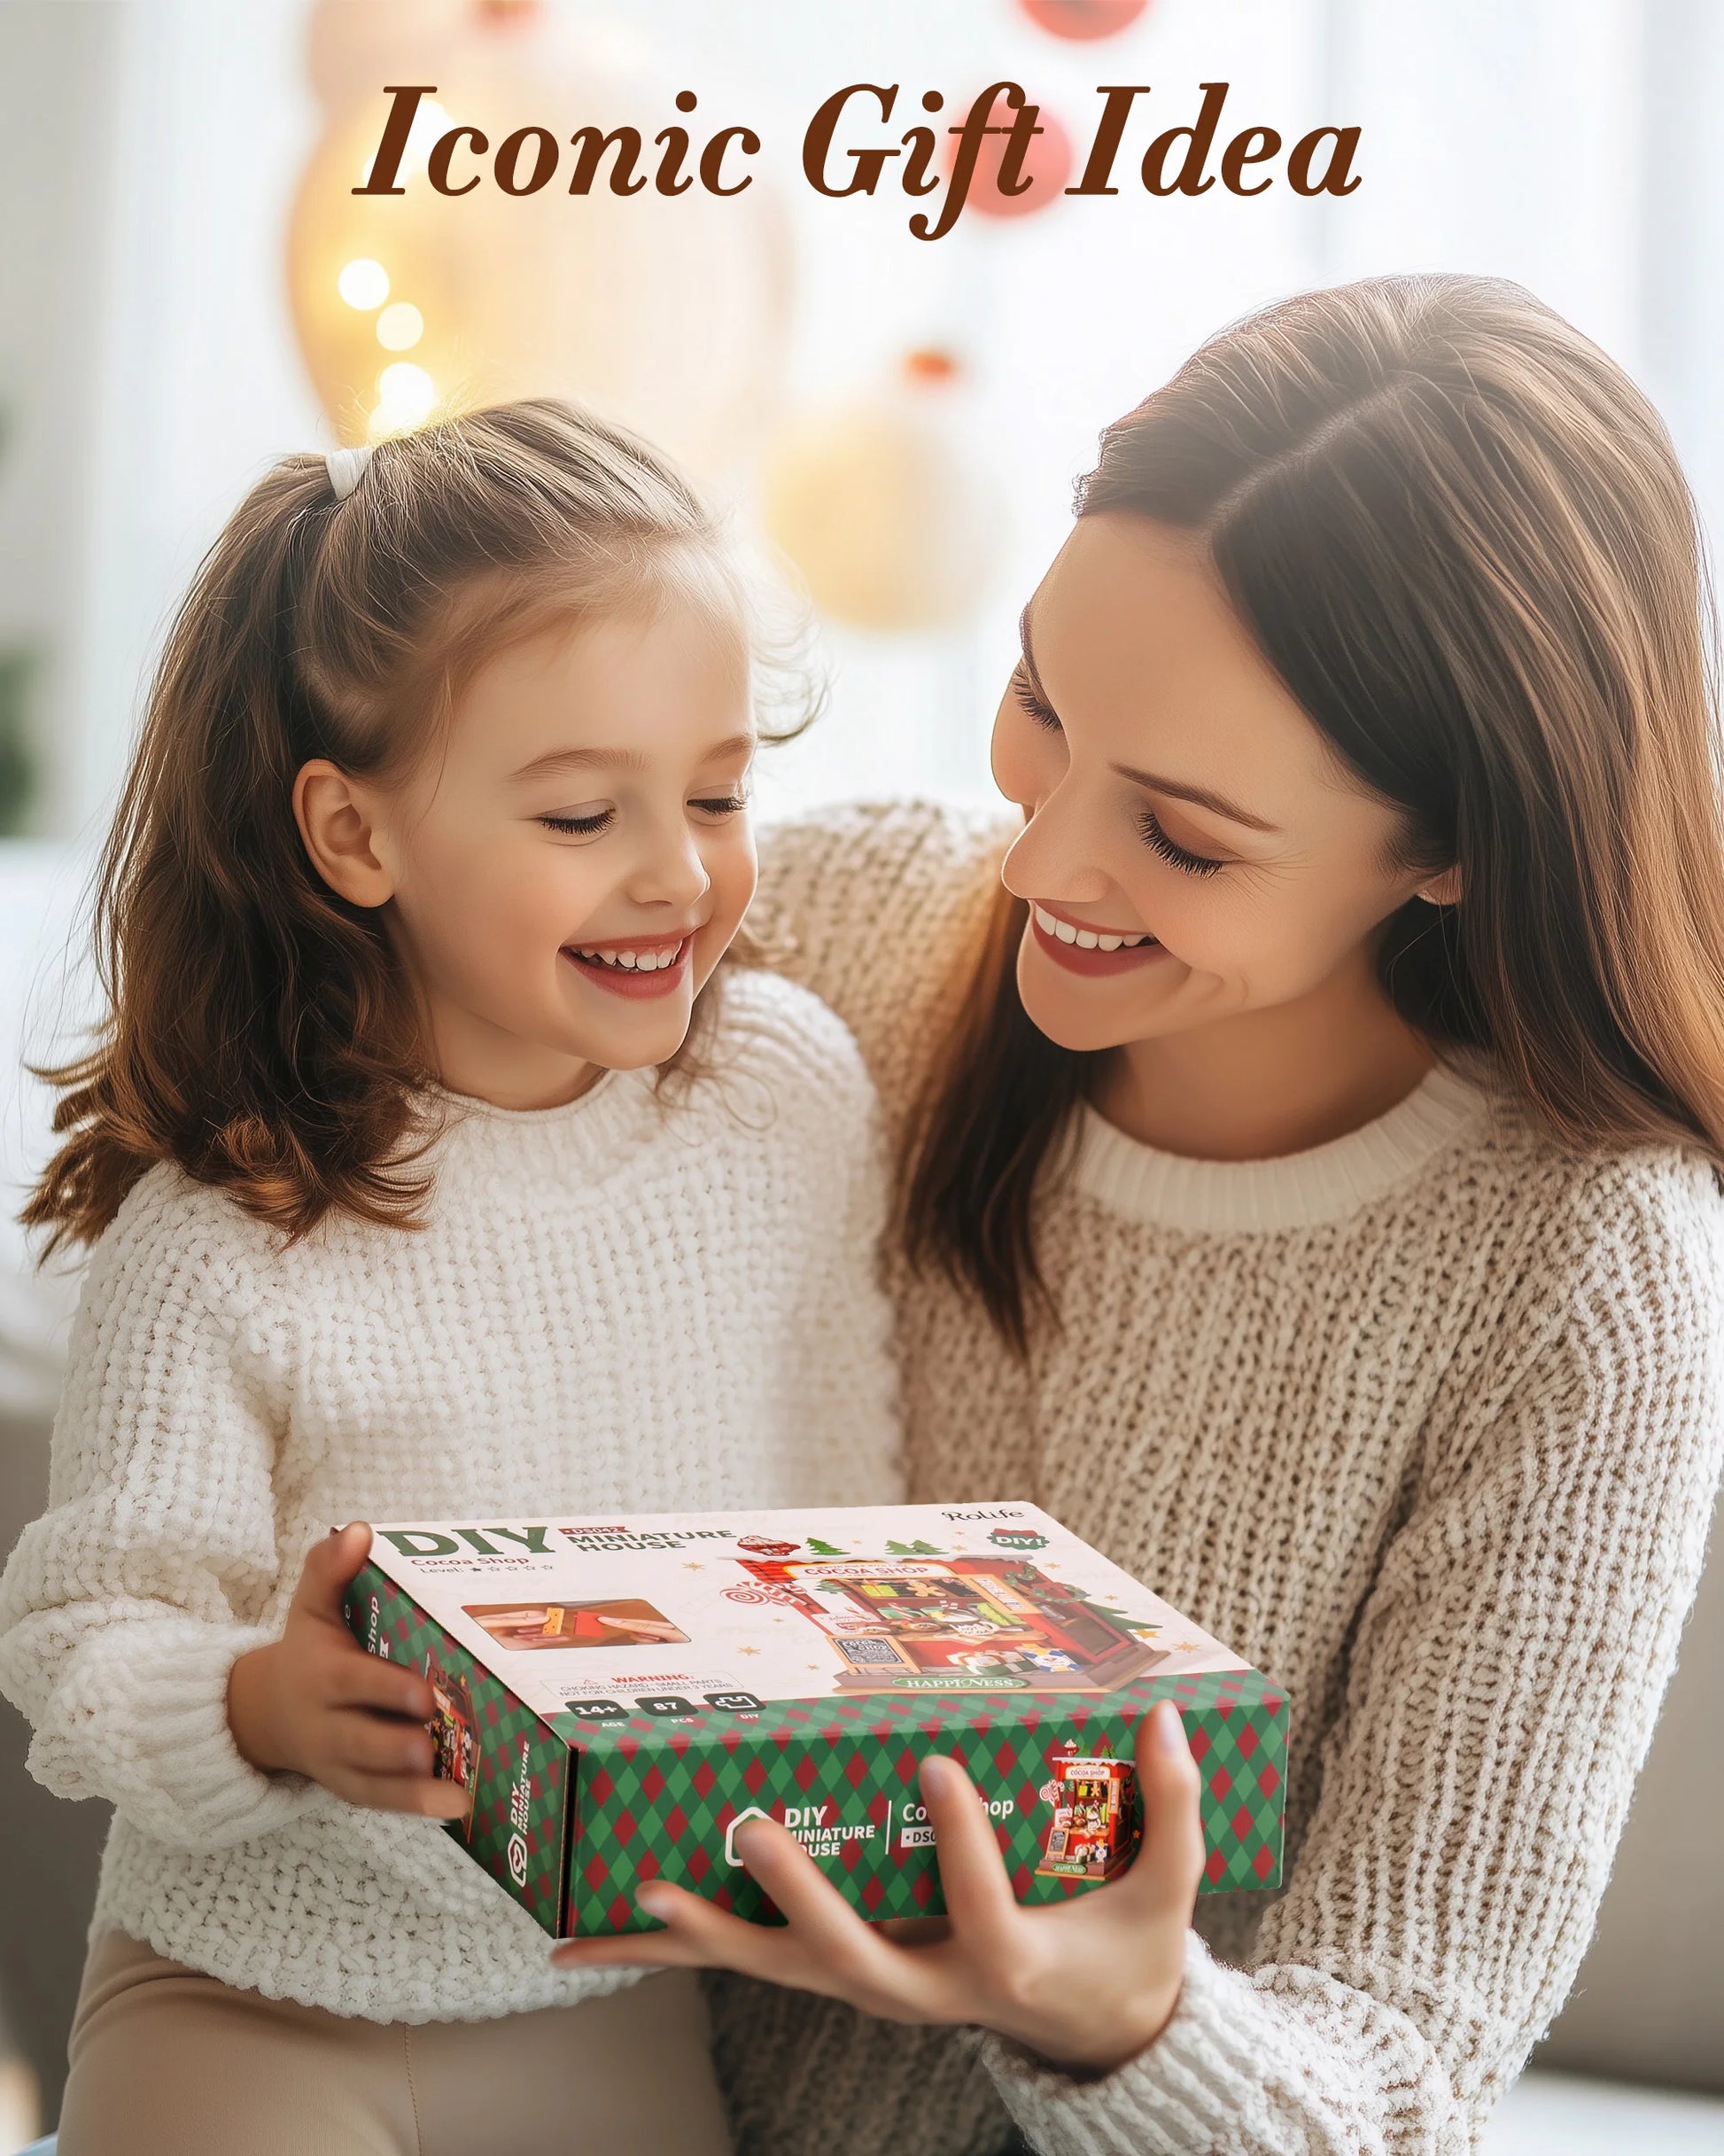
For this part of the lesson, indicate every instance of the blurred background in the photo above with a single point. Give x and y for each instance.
(188, 289)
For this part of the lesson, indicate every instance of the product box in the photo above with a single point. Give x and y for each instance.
(618, 1694)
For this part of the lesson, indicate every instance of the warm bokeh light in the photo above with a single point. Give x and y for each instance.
(670, 315)
(406, 394)
(1084, 19)
(401, 326)
(364, 285)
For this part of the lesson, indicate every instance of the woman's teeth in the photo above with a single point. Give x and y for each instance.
(630, 962)
(1086, 939)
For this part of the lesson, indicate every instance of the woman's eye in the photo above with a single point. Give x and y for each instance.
(579, 823)
(1044, 714)
(1169, 849)
(722, 804)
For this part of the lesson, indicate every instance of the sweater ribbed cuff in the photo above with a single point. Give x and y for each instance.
(153, 1696)
(1191, 2089)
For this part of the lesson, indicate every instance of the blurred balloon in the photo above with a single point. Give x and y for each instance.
(1047, 166)
(1084, 19)
(886, 504)
(668, 312)
(354, 47)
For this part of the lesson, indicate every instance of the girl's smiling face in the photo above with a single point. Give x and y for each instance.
(1180, 808)
(567, 865)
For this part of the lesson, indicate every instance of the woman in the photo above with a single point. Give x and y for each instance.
(1310, 1198)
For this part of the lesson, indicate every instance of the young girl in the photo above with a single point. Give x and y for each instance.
(430, 1173)
(1312, 1155)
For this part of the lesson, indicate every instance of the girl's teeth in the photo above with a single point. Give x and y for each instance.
(1087, 939)
(1110, 943)
(632, 962)
(1065, 932)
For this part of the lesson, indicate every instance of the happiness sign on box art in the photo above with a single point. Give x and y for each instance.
(617, 1695)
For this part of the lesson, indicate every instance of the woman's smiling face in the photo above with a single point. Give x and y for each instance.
(1173, 792)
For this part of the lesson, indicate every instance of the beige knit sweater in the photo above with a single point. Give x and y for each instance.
(1427, 1423)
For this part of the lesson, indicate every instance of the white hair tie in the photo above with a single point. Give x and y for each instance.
(346, 466)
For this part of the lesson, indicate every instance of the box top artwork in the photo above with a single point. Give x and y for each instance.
(633, 1620)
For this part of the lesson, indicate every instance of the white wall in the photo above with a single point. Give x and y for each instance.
(1509, 138)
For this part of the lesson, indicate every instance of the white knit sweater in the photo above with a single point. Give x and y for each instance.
(1427, 1424)
(618, 1304)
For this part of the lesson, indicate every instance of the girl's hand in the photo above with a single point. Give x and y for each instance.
(313, 1702)
(1088, 1982)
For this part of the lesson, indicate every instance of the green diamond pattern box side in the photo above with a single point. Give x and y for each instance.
(842, 1775)
(517, 1830)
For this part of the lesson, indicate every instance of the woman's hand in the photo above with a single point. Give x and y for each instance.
(313, 1702)
(1087, 1982)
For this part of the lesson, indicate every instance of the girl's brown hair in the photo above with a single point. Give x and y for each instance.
(1461, 536)
(259, 1032)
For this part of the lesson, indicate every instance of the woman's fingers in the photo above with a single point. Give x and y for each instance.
(978, 1894)
(837, 1951)
(822, 1946)
(698, 1934)
(1165, 1874)
(826, 1929)
(665, 1949)
(914, 1931)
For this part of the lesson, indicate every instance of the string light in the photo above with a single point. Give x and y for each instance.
(365, 285)
(401, 326)
(406, 394)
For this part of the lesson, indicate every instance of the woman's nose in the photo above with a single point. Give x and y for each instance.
(1048, 860)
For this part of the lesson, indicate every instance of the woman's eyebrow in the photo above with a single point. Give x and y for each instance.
(1199, 797)
(1030, 658)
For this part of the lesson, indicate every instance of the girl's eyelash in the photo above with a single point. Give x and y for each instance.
(578, 827)
(586, 827)
(1044, 714)
(1157, 840)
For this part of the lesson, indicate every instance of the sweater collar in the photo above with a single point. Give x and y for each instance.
(1327, 1183)
(590, 1126)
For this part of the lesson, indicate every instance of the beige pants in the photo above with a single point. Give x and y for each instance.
(165, 2062)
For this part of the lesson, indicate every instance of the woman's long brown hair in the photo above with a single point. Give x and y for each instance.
(1461, 536)
(259, 1031)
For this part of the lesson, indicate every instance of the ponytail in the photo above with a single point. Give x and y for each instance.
(258, 1030)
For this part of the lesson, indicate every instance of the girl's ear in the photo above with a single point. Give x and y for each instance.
(335, 820)
(1444, 889)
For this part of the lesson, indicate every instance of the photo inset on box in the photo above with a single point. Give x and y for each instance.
(971, 1623)
(627, 1622)
(455, 1732)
